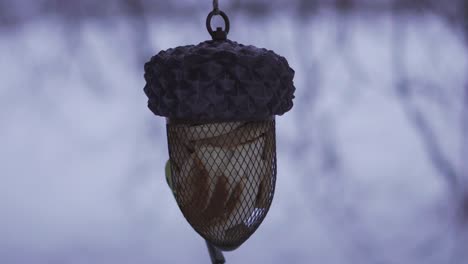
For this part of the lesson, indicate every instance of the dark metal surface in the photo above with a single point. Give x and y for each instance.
(216, 255)
(224, 177)
(219, 80)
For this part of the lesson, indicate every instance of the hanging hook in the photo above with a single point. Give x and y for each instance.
(216, 7)
(219, 34)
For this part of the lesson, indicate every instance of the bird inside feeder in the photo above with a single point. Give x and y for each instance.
(220, 99)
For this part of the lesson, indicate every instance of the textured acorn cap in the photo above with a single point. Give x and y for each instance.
(219, 81)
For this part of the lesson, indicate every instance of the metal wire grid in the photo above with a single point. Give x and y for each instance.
(224, 177)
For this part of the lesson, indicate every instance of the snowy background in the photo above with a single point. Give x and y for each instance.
(370, 164)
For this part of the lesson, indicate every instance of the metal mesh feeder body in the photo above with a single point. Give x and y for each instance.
(220, 99)
(224, 177)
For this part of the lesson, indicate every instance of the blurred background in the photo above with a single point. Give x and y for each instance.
(372, 158)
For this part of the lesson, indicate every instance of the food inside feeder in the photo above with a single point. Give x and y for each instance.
(223, 175)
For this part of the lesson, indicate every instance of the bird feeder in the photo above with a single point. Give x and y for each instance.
(220, 99)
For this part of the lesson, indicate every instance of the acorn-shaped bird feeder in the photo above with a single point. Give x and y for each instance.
(220, 99)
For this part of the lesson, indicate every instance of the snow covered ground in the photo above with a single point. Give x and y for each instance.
(81, 157)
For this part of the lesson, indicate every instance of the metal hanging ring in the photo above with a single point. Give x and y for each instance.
(219, 34)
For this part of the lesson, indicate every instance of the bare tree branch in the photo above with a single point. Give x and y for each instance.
(416, 117)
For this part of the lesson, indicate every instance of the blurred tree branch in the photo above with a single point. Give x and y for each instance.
(405, 89)
(20, 11)
(136, 11)
(455, 176)
(464, 154)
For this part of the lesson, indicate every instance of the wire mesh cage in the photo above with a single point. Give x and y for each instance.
(223, 176)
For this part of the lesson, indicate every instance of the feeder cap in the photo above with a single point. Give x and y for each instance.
(219, 81)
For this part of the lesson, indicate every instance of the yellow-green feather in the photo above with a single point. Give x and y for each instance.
(169, 175)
